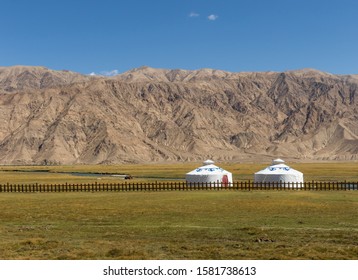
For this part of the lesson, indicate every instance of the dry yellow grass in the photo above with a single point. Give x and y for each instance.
(179, 225)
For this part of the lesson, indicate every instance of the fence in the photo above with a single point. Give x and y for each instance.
(176, 186)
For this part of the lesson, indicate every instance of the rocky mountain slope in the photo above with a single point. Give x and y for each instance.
(146, 114)
(19, 78)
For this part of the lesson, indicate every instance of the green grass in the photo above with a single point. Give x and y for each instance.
(180, 225)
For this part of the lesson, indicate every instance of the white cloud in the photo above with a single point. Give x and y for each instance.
(213, 17)
(110, 73)
(105, 73)
(193, 14)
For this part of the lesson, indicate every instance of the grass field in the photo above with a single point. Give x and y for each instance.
(177, 225)
(180, 225)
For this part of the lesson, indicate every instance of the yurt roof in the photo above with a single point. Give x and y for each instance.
(278, 166)
(208, 168)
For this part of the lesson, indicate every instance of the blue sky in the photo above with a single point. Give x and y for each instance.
(113, 36)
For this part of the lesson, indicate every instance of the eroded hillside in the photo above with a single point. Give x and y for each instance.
(144, 115)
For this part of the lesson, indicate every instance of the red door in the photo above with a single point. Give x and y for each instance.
(224, 181)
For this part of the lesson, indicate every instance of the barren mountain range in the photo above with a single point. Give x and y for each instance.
(146, 115)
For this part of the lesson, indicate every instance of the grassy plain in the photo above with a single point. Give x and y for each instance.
(180, 225)
(177, 225)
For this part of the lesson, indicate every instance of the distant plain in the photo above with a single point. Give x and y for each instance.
(317, 171)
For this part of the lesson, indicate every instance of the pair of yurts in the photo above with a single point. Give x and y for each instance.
(277, 172)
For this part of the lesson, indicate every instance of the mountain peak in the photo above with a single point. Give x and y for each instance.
(309, 72)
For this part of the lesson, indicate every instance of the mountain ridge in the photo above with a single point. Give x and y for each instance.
(148, 115)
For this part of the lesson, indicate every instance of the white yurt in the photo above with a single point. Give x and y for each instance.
(279, 172)
(210, 173)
